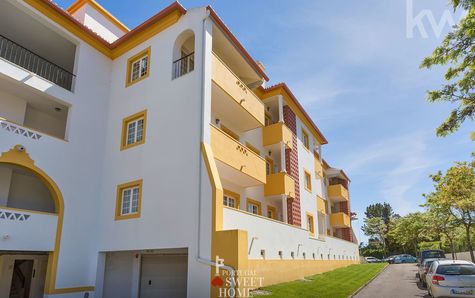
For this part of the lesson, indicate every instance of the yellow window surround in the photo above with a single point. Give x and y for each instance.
(252, 148)
(250, 202)
(125, 124)
(131, 61)
(233, 195)
(271, 212)
(310, 224)
(119, 194)
(305, 139)
(307, 180)
(231, 133)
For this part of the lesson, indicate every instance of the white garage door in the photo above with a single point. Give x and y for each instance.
(163, 276)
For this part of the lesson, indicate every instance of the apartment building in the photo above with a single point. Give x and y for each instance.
(154, 161)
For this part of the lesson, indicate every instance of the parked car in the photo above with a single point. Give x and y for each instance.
(431, 254)
(423, 269)
(405, 259)
(390, 259)
(451, 278)
(372, 260)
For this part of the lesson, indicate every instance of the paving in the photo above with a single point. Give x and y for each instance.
(396, 281)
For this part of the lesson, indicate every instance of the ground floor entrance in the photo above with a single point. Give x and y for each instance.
(22, 275)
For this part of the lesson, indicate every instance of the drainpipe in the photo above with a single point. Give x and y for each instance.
(199, 258)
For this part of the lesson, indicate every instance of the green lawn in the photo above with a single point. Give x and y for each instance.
(337, 283)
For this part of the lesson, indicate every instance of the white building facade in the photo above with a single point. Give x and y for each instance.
(135, 162)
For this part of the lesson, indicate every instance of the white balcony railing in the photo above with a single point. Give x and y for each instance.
(25, 230)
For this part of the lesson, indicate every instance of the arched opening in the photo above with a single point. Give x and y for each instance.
(184, 54)
(21, 188)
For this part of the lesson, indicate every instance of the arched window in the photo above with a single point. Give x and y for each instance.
(183, 54)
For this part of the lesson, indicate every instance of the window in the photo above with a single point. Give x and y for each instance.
(271, 212)
(231, 133)
(307, 180)
(310, 224)
(305, 139)
(253, 207)
(231, 199)
(128, 201)
(269, 166)
(133, 130)
(138, 67)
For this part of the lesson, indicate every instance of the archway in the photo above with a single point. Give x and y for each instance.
(18, 158)
(184, 54)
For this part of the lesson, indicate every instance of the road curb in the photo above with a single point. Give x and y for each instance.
(368, 282)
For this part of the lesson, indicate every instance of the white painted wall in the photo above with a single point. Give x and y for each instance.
(12, 108)
(5, 180)
(274, 237)
(98, 23)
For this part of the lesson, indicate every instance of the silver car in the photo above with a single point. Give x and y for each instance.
(424, 268)
(451, 278)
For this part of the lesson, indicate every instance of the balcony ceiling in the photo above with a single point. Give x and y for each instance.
(34, 98)
(227, 108)
(236, 177)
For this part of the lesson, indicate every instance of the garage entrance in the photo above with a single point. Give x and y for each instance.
(163, 275)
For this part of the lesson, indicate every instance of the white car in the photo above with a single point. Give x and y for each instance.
(372, 260)
(451, 278)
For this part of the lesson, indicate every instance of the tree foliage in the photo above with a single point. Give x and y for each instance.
(455, 194)
(384, 211)
(457, 51)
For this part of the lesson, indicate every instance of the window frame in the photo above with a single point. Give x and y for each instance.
(233, 195)
(305, 139)
(273, 210)
(310, 229)
(307, 187)
(250, 201)
(270, 162)
(119, 197)
(125, 128)
(131, 61)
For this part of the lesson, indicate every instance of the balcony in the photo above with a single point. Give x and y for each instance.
(279, 184)
(338, 193)
(233, 100)
(27, 230)
(276, 133)
(236, 162)
(340, 220)
(321, 205)
(17, 54)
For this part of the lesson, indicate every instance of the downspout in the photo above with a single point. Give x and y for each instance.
(199, 258)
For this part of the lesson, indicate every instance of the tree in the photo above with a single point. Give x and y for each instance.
(410, 230)
(458, 51)
(384, 211)
(375, 228)
(455, 192)
(441, 222)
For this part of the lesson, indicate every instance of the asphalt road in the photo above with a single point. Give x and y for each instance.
(397, 281)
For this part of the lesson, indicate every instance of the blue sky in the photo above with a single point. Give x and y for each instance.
(352, 66)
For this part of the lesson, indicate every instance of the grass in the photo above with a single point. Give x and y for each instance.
(337, 283)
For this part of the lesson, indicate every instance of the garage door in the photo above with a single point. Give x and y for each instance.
(163, 276)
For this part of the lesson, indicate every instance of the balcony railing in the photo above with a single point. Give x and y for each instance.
(183, 65)
(279, 184)
(338, 193)
(30, 61)
(340, 220)
(275, 133)
(237, 156)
